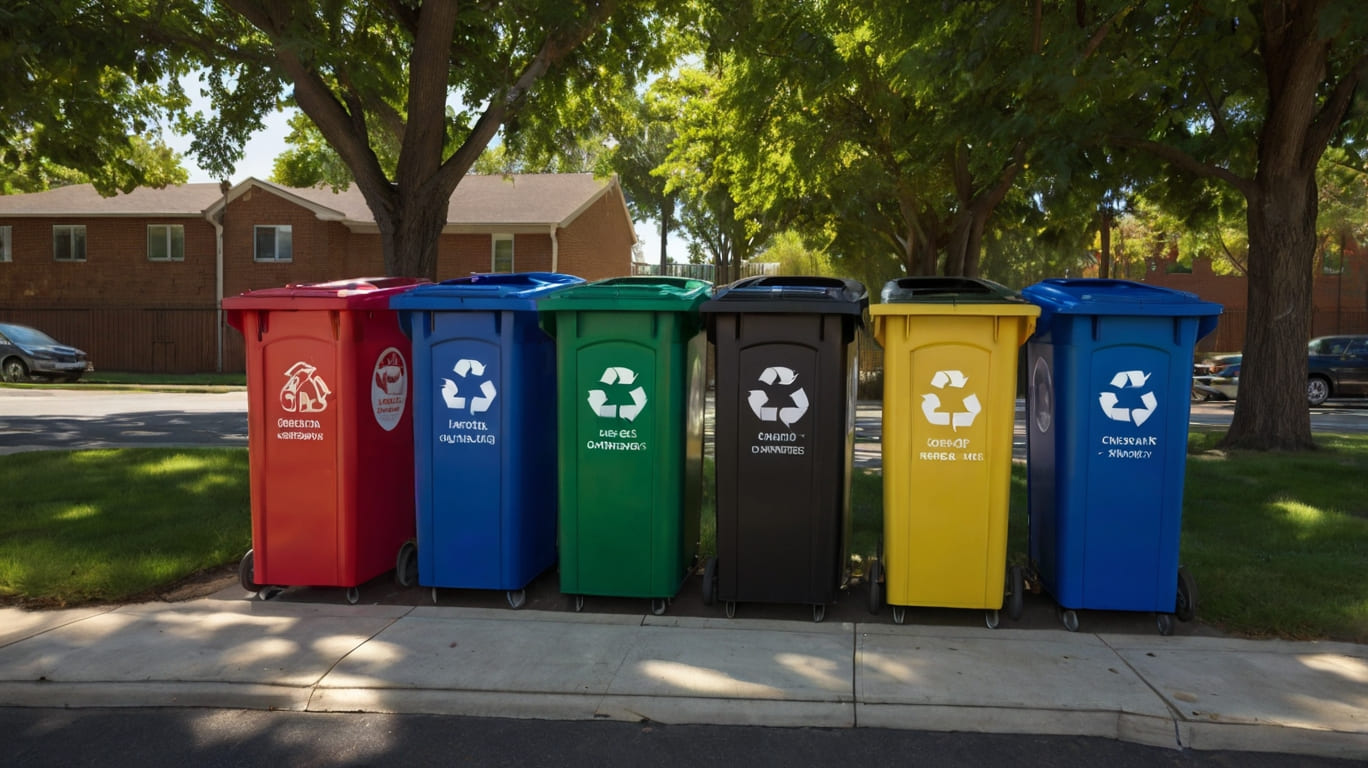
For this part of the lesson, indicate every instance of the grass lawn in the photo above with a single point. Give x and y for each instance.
(107, 525)
(1278, 543)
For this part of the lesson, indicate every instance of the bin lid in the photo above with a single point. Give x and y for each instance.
(642, 293)
(791, 294)
(354, 293)
(1098, 296)
(950, 295)
(493, 291)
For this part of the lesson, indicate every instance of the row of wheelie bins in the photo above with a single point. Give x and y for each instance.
(527, 383)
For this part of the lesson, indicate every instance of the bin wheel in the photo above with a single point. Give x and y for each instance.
(731, 609)
(876, 577)
(1165, 623)
(1016, 592)
(1187, 595)
(899, 614)
(268, 593)
(579, 603)
(658, 606)
(517, 598)
(406, 565)
(992, 619)
(818, 612)
(353, 595)
(710, 581)
(1070, 618)
(247, 572)
(434, 595)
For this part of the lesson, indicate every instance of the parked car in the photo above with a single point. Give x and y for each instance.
(1336, 366)
(27, 353)
(1216, 378)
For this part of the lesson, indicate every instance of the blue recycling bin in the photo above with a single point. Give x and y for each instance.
(1109, 384)
(484, 433)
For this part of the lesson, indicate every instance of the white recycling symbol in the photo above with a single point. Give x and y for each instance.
(450, 390)
(759, 400)
(598, 399)
(1128, 380)
(931, 402)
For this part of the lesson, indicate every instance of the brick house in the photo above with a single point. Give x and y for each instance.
(136, 279)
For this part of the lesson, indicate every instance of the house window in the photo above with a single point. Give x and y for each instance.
(274, 243)
(502, 259)
(5, 244)
(165, 242)
(69, 242)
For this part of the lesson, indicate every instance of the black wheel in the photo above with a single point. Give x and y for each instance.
(247, 572)
(876, 587)
(1317, 390)
(731, 609)
(658, 606)
(992, 619)
(579, 603)
(406, 565)
(1070, 619)
(710, 581)
(818, 612)
(1165, 623)
(517, 598)
(1186, 609)
(899, 614)
(14, 371)
(353, 595)
(1016, 592)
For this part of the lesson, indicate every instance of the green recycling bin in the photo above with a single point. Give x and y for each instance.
(629, 380)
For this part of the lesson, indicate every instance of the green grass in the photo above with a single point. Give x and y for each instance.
(161, 382)
(1278, 543)
(108, 525)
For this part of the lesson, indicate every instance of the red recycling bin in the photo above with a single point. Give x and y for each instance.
(330, 432)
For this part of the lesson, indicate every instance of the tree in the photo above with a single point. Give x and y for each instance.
(1250, 94)
(81, 93)
(361, 69)
(642, 147)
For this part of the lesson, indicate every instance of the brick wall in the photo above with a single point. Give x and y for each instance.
(598, 244)
(116, 266)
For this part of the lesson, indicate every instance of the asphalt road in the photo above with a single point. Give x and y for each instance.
(150, 738)
(51, 419)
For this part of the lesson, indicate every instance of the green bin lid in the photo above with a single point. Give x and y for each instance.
(630, 294)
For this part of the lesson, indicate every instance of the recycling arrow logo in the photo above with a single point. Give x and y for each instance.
(451, 390)
(931, 402)
(1128, 380)
(598, 398)
(759, 401)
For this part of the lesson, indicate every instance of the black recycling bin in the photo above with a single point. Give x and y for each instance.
(784, 438)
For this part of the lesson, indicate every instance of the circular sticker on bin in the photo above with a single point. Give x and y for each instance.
(389, 388)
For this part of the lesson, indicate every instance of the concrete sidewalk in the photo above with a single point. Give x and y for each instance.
(228, 651)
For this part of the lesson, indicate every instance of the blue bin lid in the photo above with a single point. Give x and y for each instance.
(1097, 296)
(799, 294)
(494, 291)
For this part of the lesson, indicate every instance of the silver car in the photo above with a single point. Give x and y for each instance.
(26, 353)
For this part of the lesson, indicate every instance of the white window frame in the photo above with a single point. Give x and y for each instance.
(274, 256)
(169, 239)
(72, 232)
(494, 241)
(6, 244)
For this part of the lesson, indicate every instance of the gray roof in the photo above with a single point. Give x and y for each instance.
(521, 200)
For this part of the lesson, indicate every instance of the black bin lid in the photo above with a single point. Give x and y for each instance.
(791, 294)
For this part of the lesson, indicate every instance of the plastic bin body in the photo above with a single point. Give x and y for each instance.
(630, 378)
(950, 360)
(484, 429)
(784, 435)
(330, 430)
(1110, 377)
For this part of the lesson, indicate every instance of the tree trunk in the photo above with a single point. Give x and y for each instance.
(1271, 412)
(410, 232)
(1104, 258)
(664, 232)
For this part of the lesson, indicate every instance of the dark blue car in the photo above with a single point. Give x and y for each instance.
(26, 353)
(1337, 366)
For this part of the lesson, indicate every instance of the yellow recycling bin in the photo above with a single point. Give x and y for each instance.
(949, 403)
